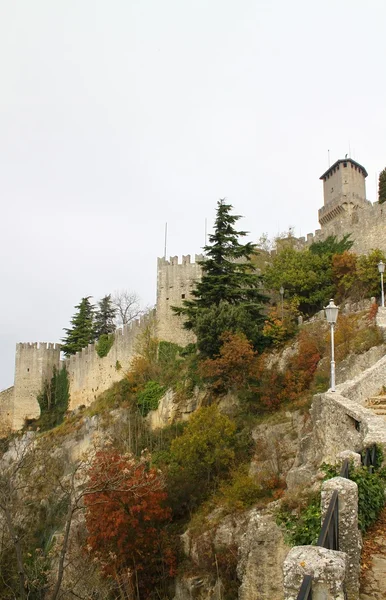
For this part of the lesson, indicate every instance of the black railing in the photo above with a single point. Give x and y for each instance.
(329, 533)
(369, 459)
(305, 592)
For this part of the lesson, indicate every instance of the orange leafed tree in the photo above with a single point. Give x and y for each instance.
(235, 365)
(125, 518)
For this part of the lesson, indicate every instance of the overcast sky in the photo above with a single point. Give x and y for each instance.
(119, 115)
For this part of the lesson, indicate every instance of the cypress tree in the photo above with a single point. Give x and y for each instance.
(104, 317)
(382, 187)
(82, 331)
(229, 281)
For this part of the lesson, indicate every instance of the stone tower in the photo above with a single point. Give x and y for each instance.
(344, 191)
(34, 365)
(174, 284)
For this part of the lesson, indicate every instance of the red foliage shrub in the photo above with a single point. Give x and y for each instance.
(124, 518)
(235, 365)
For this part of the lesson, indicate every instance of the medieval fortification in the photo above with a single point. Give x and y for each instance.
(345, 210)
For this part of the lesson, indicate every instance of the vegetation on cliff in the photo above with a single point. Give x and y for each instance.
(229, 296)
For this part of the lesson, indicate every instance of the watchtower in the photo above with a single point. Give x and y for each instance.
(34, 365)
(344, 190)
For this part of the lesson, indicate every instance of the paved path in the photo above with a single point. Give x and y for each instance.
(373, 580)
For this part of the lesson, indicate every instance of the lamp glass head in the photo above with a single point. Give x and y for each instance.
(381, 266)
(331, 312)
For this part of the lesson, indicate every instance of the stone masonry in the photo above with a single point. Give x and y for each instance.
(345, 210)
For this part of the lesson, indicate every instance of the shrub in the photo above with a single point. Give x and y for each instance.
(149, 397)
(104, 344)
(53, 400)
(236, 363)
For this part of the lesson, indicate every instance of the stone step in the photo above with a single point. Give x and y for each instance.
(375, 400)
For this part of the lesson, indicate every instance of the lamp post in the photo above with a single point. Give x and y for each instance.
(282, 302)
(332, 315)
(381, 269)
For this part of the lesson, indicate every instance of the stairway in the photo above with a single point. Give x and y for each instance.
(377, 404)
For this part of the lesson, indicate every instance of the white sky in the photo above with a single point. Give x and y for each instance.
(119, 115)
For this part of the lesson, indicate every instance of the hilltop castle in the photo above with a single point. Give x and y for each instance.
(345, 210)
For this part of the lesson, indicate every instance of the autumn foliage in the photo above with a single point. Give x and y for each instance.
(125, 516)
(235, 365)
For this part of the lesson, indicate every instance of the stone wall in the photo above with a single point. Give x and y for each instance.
(6, 409)
(34, 364)
(366, 224)
(90, 375)
(175, 282)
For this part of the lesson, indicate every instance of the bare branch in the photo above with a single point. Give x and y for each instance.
(127, 305)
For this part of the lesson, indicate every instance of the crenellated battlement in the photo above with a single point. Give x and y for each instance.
(38, 346)
(185, 260)
(90, 375)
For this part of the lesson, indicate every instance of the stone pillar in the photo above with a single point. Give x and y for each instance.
(380, 319)
(350, 539)
(353, 457)
(328, 570)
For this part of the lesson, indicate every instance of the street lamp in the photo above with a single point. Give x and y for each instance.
(381, 269)
(332, 315)
(282, 302)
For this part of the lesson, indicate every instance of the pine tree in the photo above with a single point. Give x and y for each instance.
(229, 281)
(82, 331)
(382, 187)
(104, 317)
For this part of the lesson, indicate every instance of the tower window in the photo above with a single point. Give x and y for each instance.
(183, 296)
(345, 164)
(27, 370)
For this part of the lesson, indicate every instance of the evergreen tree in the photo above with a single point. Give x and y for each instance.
(104, 317)
(382, 187)
(82, 331)
(228, 279)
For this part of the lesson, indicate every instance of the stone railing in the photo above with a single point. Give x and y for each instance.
(319, 571)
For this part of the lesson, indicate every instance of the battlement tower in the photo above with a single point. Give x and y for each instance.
(34, 364)
(175, 282)
(344, 190)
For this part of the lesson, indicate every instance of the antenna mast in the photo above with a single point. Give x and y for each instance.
(166, 238)
(328, 158)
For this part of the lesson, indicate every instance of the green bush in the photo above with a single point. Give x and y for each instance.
(302, 523)
(103, 345)
(53, 400)
(241, 491)
(149, 397)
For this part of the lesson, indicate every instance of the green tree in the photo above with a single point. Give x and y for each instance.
(82, 331)
(382, 187)
(368, 278)
(228, 277)
(331, 246)
(53, 400)
(200, 457)
(306, 275)
(104, 317)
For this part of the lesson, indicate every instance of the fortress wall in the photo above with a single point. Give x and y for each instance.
(175, 282)
(367, 227)
(34, 365)
(6, 410)
(90, 375)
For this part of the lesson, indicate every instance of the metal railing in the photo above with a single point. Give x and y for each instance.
(329, 533)
(369, 460)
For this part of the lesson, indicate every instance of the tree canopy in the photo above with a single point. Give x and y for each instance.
(104, 317)
(82, 331)
(229, 280)
(382, 187)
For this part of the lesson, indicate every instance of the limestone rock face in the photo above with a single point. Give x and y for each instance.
(258, 547)
(172, 408)
(261, 555)
(276, 445)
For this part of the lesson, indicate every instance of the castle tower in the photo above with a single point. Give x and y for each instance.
(174, 285)
(344, 191)
(34, 365)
